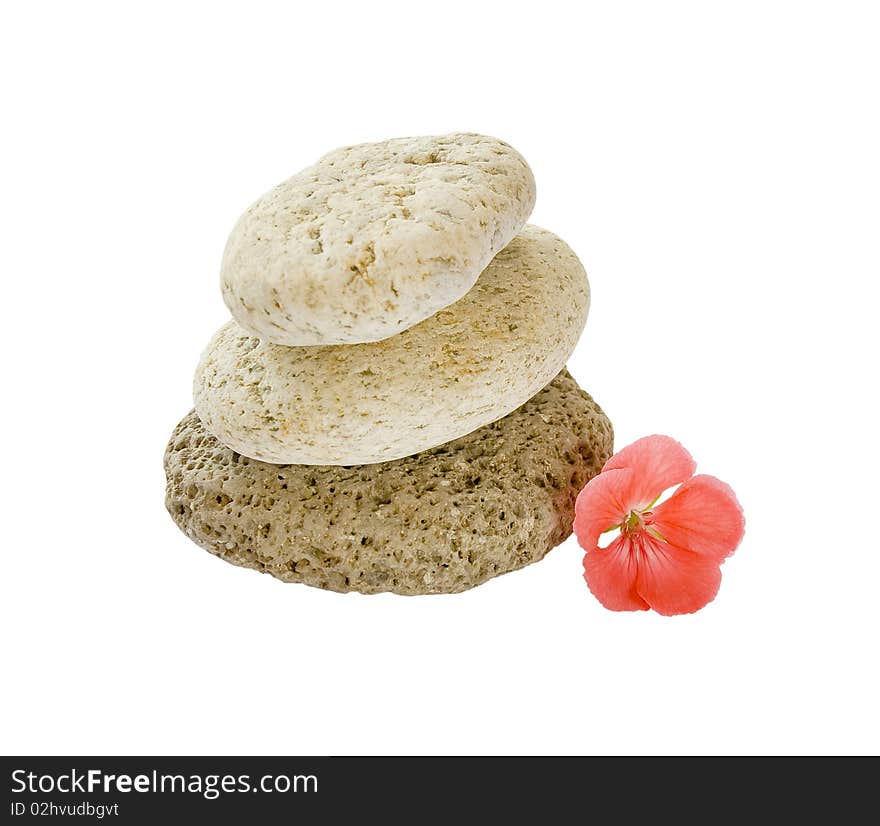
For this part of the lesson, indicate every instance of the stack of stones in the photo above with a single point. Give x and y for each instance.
(389, 410)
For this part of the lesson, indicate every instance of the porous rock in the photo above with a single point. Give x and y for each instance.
(464, 367)
(374, 238)
(441, 521)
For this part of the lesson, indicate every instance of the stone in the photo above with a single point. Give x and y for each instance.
(441, 521)
(464, 367)
(374, 238)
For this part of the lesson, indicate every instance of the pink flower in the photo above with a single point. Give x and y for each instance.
(666, 557)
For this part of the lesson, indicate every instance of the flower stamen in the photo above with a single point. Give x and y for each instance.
(634, 522)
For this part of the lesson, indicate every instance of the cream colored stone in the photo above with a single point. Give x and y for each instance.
(438, 522)
(374, 238)
(464, 367)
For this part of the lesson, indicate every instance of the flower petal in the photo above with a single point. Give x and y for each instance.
(702, 516)
(674, 581)
(658, 462)
(611, 575)
(603, 503)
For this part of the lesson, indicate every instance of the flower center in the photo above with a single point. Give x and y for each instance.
(634, 522)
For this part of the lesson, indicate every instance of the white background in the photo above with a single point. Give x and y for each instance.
(715, 165)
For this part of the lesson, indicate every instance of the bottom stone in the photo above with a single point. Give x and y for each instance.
(441, 521)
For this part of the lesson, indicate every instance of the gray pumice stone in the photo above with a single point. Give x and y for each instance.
(441, 521)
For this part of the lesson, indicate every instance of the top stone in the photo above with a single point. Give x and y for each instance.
(374, 238)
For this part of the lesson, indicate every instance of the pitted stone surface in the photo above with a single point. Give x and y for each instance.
(441, 521)
(374, 238)
(464, 367)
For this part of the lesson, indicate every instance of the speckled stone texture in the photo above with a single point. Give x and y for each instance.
(464, 367)
(441, 521)
(374, 238)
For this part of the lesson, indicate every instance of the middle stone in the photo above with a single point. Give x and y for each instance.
(465, 366)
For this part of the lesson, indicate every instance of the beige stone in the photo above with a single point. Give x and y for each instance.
(441, 521)
(462, 368)
(374, 238)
